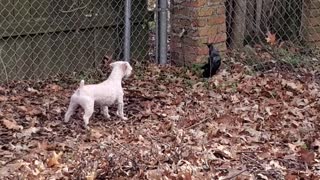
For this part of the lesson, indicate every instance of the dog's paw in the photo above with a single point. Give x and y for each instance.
(107, 116)
(86, 127)
(124, 118)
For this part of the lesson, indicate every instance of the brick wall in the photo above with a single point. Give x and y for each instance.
(204, 22)
(312, 22)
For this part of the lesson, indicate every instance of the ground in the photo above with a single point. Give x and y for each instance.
(237, 124)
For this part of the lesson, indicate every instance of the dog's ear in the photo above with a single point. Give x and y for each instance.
(124, 67)
(113, 64)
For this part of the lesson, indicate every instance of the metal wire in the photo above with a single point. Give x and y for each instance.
(264, 34)
(44, 38)
(274, 33)
(40, 39)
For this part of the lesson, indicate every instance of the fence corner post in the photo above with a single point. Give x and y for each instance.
(163, 33)
(127, 31)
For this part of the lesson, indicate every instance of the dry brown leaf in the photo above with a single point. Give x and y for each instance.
(2, 89)
(271, 38)
(291, 177)
(91, 176)
(54, 160)
(22, 108)
(28, 132)
(95, 134)
(3, 98)
(54, 87)
(9, 168)
(307, 156)
(11, 124)
(155, 174)
(34, 112)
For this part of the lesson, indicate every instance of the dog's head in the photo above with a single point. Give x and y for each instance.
(123, 66)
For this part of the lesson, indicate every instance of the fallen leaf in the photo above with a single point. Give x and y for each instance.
(9, 168)
(95, 134)
(156, 174)
(22, 108)
(307, 156)
(11, 124)
(53, 87)
(271, 38)
(174, 118)
(32, 90)
(28, 132)
(290, 176)
(3, 98)
(54, 160)
(261, 176)
(91, 176)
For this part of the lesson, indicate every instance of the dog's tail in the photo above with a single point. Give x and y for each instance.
(81, 84)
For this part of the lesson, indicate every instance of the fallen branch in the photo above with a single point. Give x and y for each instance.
(235, 174)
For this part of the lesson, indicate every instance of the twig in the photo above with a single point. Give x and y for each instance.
(196, 124)
(236, 174)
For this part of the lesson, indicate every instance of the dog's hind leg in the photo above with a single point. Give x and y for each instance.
(88, 111)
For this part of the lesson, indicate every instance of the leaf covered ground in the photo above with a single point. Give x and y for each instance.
(237, 125)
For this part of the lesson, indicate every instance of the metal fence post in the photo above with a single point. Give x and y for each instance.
(127, 30)
(156, 17)
(163, 23)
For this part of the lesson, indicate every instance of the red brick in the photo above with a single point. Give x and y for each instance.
(213, 30)
(189, 41)
(183, 10)
(196, 3)
(200, 22)
(206, 11)
(221, 46)
(221, 10)
(215, 2)
(222, 28)
(200, 59)
(202, 40)
(202, 50)
(202, 31)
(216, 20)
(218, 38)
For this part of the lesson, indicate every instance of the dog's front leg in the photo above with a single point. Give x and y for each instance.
(120, 109)
(105, 111)
(72, 107)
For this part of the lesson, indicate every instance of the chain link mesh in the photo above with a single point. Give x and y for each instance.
(265, 34)
(282, 34)
(44, 38)
(40, 39)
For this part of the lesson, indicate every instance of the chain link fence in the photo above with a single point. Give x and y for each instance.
(43, 38)
(40, 39)
(268, 34)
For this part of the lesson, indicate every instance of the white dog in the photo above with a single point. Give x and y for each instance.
(103, 94)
